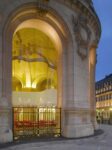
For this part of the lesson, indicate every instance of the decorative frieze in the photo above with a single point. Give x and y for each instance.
(88, 12)
(42, 7)
(82, 34)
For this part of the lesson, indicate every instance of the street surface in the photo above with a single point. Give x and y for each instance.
(100, 142)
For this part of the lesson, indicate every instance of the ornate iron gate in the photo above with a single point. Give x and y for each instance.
(33, 122)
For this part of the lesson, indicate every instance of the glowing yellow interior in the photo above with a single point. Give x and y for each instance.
(34, 61)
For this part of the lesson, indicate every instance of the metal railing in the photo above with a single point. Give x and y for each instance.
(33, 122)
(102, 120)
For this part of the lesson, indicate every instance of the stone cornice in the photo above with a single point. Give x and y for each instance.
(79, 110)
(4, 109)
(93, 45)
(89, 12)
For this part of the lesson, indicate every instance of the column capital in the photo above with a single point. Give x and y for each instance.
(93, 45)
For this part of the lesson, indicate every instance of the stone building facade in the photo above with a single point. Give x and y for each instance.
(104, 100)
(75, 30)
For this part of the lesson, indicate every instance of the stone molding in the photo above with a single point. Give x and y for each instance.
(93, 45)
(2, 108)
(79, 25)
(40, 12)
(92, 18)
(77, 6)
(42, 6)
(79, 110)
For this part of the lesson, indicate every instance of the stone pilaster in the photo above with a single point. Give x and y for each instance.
(5, 121)
(76, 119)
(68, 90)
(77, 123)
(5, 94)
(92, 68)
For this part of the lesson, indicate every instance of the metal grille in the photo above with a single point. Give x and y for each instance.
(33, 122)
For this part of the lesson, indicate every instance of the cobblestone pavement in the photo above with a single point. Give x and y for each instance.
(99, 142)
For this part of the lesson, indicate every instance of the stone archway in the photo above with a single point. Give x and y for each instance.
(66, 57)
(36, 45)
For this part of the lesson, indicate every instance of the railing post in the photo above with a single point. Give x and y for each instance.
(13, 123)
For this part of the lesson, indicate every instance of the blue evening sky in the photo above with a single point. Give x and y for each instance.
(104, 51)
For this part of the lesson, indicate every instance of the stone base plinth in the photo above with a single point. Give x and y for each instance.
(6, 136)
(96, 126)
(76, 131)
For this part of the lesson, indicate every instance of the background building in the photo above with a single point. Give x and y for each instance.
(104, 99)
(47, 63)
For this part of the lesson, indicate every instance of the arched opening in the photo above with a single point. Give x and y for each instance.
(34, 61)
(51, 26)
(36, 49)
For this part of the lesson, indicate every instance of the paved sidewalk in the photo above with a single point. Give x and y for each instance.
(99, 142)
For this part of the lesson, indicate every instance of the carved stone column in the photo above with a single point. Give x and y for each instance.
(92, 68)
(5, 95)
(77, 117)
(68, 92)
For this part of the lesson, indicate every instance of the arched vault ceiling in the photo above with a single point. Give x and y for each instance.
(31, 41)
(34, 58)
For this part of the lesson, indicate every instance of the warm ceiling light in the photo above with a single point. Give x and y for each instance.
(28, 84)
